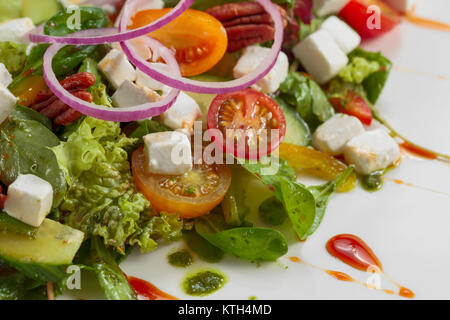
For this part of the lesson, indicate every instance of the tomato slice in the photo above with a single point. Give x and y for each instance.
(355, 105)
(246, 119)
(358, 15)
(190, 195)
(198, 39)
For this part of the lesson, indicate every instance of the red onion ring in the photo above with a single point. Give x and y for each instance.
(94, 38)
(139, 112)
(189, 85)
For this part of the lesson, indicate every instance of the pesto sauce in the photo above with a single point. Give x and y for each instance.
(203, 283)
(373, 181)
(181, 258)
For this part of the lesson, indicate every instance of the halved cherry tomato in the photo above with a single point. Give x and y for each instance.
(357, 13)
(355, 105)
(190, 195)
(246, 119)
(198, 39)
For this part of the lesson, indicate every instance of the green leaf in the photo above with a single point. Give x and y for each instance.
(25, 113)
(13, 56)
(248, 243)
(307, 97)
(300, 206)
(205, 250)
(90, 18)
(9, 224)
(234, 206)
(147, 126)
(25, 149)
(272, 211)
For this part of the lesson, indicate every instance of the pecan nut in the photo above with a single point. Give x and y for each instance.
(246, 23)
(50, 106)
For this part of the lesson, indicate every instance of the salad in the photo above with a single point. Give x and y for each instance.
(128, 124)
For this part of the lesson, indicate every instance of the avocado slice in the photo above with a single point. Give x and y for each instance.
(41, 10)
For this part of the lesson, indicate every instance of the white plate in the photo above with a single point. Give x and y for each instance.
(407, 227)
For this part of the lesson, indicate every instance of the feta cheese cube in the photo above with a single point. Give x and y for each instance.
(331, 136)
(321, 56)
(7, 103)
(252, 57)
(327, 7)
(5, 76)
(117, 68)
(168, 153)
(130, 95)
(15, 30)
(182, 114)
(401, 5)
(29, 199)
(141, 49)
(144, 80)
(346, 38)
(372, 151)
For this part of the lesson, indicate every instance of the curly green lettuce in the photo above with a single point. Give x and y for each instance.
(13, 56)
(102, 199)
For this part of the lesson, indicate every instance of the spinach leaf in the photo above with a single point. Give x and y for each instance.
(25, 113)
(234, 206)
(205, 250)
(25, 149)
(148, 126)
(109, 275)
(9, 224)
(248, 243)
(15, 285)
(272, 211)
(90, 18)
(307, 97)
(322, 194)
(374, 83)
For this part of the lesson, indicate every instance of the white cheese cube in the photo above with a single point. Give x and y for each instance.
(372, 151)
(183, 113)
(327, 7)
(168, 153)
(252, 57)
(401, 5)
(130, 95)
(29, 199)
(141, 49)
(15, 30)
(346, 38)
(117, 68)
(331, 136)
(144, 80)
(321, 56)
(5, 76)
(7, 103)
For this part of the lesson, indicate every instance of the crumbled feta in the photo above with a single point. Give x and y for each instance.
(321, 56)
(372, 151)
(29, 199)
(327, 7)
(15, 30)
(252, 57)
(130, 95)
(401, 5)
(332, 135)
(5, 76)
(116, 67)
(168, 153)
(347, 38)
(7, 103)
(144, 80)
(182, 114)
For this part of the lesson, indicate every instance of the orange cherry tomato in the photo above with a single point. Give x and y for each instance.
(191, 195)
(198, 39)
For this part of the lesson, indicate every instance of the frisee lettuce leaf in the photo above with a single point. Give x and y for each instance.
(102, 199)
(13, 56)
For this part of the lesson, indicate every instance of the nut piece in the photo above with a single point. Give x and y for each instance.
(246, 23)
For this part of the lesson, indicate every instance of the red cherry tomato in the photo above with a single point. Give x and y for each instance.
(357, 13)
(354, 105)
(245, 120)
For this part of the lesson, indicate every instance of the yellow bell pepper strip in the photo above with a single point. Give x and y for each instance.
(27, 90)
(316, 163)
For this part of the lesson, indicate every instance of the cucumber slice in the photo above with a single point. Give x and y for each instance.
(297, 131)
(54, 244)
(41, 10)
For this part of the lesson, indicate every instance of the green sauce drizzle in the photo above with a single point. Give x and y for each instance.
(374, 181)
(203, 283)
(181, 258)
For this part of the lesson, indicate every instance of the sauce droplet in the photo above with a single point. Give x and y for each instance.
(147, 291)
(418, 151)
(353, 251)
(340, 275)
(406, 293)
